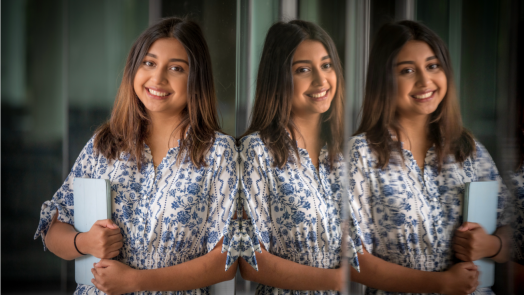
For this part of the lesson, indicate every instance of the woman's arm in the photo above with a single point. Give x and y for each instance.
(103, 240)
(461, 278)
(376, 273)
(281, 273)
(114, 277)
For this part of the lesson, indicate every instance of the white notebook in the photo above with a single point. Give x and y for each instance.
(92, 199)
(480, 206)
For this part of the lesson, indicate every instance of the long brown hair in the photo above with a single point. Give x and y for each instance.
(274, 92)
(127, 129)
(379, 109)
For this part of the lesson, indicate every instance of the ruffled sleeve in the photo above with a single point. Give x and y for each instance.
(240, 240)
(253, 199)
(62, 201)
(353, 241)
(360, 194)
(223, 190)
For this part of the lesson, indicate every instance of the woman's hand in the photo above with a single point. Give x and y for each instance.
(114, 277)
(471, 242)
(460, 279)
(103, 240)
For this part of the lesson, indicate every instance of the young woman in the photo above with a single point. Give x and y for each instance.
(408, 165)
(173, 175)
(291, 165)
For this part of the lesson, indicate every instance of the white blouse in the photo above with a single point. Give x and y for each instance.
(407, 216)
(167, 217)
(295, 212)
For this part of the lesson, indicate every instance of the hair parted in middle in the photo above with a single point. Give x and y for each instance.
(127, 129)
(379, 118)
(274, 92)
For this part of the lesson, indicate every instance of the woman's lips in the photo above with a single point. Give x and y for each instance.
(157, 93)
(424, 96)
(319, 95)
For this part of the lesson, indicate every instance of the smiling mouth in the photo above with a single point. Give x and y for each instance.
(157, 93)
(423, 96)
(318, 94)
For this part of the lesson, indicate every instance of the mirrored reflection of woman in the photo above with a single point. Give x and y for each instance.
(517, 186)
(408, 164)
(291, 165)
(173, 175)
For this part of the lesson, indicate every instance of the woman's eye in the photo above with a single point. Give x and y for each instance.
(148, 63)
(302, 70)
(176, 69)
(433, 66)
(406, 71)
(327, 66)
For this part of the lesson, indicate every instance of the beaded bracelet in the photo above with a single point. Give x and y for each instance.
(500, 248)
(77, 247)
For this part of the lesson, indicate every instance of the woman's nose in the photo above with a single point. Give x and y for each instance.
(423, 78)
(319, 77)
(158, 75)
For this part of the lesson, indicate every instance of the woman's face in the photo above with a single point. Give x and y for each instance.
(161, 80)
(314, 79)
(421, 81)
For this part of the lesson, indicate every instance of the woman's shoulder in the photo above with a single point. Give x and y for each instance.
(221, 138)
(223, 143)
(252, 141)
(358, 142)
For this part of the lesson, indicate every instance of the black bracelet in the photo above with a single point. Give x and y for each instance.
(79, 250)
(500, 248)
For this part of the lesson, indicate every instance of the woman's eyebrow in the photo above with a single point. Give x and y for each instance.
(412, 62)
(308, 61)
(173, 59)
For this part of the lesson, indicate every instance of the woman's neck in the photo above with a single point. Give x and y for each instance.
(413, 128)
(161, 130)
(415, 137)
(308, 131)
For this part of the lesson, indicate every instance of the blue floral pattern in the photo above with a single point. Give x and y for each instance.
(169, 216)
(517, 184)
(295, 212)
(407, 216)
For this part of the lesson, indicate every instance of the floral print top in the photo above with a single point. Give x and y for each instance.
(295, 212)
(517, 185)
(408, 216)
(167, 217)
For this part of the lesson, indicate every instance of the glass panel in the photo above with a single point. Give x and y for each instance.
(63, 78)
(32, 137)
(218, 22)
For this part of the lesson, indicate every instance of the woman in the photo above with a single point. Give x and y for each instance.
(408, 164)
(173, 175)
(291, 164)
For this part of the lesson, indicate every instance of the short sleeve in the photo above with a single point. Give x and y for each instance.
(254, 196)
(240, 241)
(360, 193)
(353, 241)
(62, 201)
(487, 171)
(223, 190)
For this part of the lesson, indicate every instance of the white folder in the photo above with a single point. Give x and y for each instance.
(480, 206)
(92, 199)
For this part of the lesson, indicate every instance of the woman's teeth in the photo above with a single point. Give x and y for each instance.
(425, 95)
(318, 95)
(157, 93)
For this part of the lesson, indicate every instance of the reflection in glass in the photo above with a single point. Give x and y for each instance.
(408, 163)
(291, 165)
